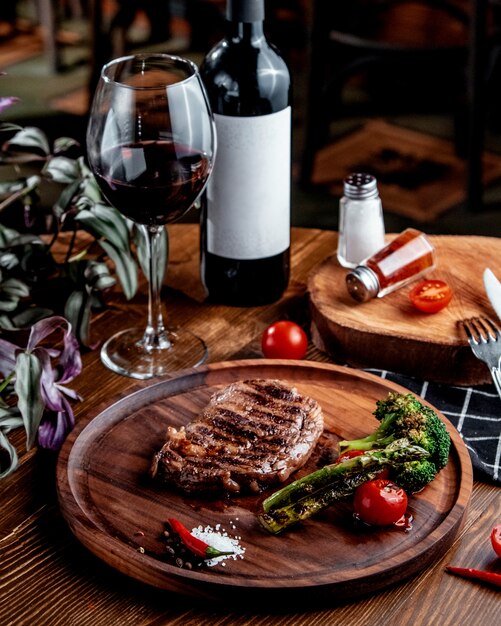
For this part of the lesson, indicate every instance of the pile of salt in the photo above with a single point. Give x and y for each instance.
(218, 538)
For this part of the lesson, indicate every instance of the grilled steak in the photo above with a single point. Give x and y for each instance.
(252, 434)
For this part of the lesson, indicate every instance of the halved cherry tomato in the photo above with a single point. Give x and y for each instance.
(380, 502)
(431, 296)
(284, 340)
(496, 539)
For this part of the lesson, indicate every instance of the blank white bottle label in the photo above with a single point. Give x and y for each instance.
(248, 194)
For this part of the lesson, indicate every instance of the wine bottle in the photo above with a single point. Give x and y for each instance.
(245, 219)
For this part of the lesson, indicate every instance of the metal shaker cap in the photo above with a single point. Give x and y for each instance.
(359, 186)
(362, 283)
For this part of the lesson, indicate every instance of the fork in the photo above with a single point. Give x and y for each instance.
(484, 338)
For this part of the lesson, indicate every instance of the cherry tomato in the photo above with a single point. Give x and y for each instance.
(380, 502)
(284, 340)
(431, 296)
(350, 454)
(496, 539)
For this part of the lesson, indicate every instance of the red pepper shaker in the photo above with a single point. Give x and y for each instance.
(405, 258)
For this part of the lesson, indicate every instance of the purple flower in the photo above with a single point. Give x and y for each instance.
(55, 426)
(41, 374)
(7, 101)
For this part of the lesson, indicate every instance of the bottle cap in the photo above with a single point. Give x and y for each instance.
(245, 10)
(362, 283)
(359, 186)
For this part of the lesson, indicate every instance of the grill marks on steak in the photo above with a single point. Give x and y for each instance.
(252, 434)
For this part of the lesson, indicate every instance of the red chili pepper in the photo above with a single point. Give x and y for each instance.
(194, 544)
(476, 574)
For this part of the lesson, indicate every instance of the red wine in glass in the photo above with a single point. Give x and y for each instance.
(152, 182)
(150, 145)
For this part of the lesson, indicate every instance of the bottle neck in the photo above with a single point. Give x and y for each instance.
(245, 19)
(248, 31)
(245, 10)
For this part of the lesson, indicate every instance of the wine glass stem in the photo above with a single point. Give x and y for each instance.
(155, 336)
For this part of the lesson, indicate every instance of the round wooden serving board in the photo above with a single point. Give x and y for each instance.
(107, 498)
(389, 333)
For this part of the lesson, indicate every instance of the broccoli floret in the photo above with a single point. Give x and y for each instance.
(414, 475)
(404, 416)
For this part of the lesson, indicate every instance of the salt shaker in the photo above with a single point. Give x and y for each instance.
(361, 223)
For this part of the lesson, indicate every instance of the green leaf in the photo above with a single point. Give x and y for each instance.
(125, 266)
(90, 222)
(7, 235)
(21, 189)
(91, 188)
(10, 238)
(15, 288)
(11, 453)
(97, 275)
(78, 257)
(27, 388)
(8, 187)
(104, 282)
(62, 170)
(32, 182)
(9, 127)
(6, 323)
(8, 304)
(11, 291)
(66, 197)
(83, 203)
(29, 137)
(9, 448)
(62, 144)
(9, 415)
(8, 260)
(30, 316)
(77, 311)
(106, 222)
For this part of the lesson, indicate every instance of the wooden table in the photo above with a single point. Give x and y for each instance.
(48, 577)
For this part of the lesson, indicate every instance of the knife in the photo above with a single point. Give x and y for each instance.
(493, 290)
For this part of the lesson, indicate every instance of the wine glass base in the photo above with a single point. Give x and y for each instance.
(125, 354)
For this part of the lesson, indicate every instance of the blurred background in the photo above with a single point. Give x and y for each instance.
(409, 91)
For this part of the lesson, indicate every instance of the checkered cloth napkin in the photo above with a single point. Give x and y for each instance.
(474, 411)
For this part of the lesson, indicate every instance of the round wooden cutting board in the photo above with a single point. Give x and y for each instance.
(389, 333)
(119, 513)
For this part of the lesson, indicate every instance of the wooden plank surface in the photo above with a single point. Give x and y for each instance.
(48, 577)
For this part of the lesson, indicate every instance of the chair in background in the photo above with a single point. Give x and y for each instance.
(484, 89)
(157, 12)
(49, 14)
(403, 66)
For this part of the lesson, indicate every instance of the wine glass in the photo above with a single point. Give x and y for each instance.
(151, 145)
